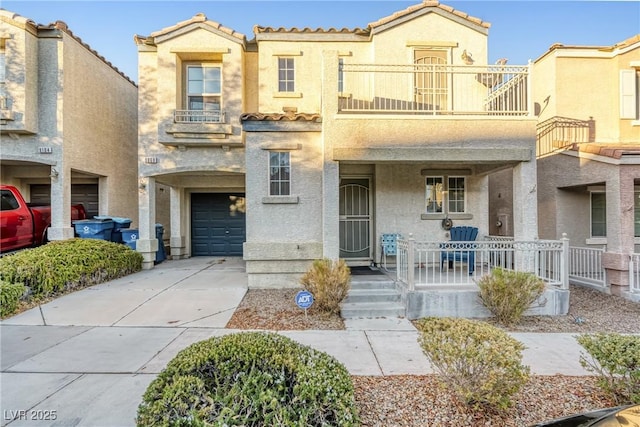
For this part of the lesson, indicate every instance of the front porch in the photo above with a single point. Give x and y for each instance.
(431, 285)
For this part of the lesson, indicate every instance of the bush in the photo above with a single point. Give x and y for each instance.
(10, 294)
(329, 283)
(508, 294)
(616, 359)
(251, 379)
(67, 264)
(478, 362)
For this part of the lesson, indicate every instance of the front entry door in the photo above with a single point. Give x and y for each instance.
(355, 219)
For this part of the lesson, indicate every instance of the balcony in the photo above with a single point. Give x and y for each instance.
(495, 90)
(197, 128)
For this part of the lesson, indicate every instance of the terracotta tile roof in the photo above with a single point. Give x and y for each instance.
(614, 151)
(363, 31)
(60, 26)
(198, 18)
(307, 117)
(426, 4)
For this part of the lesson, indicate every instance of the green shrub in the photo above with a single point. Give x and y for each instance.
(66, 264)
(616, 359)
(251, 379)
(329, 282)
(478, 362)
(10, 294)
(508, 294)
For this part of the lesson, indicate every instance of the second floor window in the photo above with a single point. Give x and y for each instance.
(286, 75)
(204, 83)
(279, 173)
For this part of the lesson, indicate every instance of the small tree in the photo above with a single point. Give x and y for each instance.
(508, 294)
(329, 282)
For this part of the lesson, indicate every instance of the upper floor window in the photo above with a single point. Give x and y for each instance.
(629, 99)
(445, 194)
(340, 75)
(636, 214)
(598, 215)
(2, 62)
(204, 87)
(279, 173)
(286, 74)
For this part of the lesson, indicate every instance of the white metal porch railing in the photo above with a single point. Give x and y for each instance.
(634, 274)
(198, 116)
(585, 267)
(422, 263)
(435, 89)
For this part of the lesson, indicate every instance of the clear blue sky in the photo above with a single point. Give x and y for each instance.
(520, 30)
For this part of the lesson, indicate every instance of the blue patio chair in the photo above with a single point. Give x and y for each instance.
(389, 244)
(460, 234)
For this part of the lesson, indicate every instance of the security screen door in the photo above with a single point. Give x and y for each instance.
(355, 219)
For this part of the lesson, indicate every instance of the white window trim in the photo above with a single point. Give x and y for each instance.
(203, 94)
(591, 236)
(445, 199)
(269, 173)
(295, 83)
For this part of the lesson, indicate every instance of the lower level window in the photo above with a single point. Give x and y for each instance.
(445, 194)
(279, 173)
(598, 215)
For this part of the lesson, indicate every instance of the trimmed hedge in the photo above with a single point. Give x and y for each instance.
(480, 363)
(616, 360)
(10, 294)
(67, 264)
(250, 379)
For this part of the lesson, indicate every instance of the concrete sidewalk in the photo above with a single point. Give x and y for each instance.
(87, 358)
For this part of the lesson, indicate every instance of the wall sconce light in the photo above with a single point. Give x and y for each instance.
(54, 173)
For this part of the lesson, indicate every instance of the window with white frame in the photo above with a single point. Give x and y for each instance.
(629, 99)
(204, 91)
(3, 74)
(445, 194)
(340, 75)
(598, 214)
(286, 74)
(279, 173)
(636, 214)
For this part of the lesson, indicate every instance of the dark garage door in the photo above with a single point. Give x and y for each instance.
(217, 224)
(86, 194)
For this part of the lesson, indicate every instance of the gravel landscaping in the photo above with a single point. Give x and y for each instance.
(418, 400)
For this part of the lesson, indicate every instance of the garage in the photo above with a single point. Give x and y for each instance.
(218, 226)
(85, 194)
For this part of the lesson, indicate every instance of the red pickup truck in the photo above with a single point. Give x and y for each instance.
(23, 225)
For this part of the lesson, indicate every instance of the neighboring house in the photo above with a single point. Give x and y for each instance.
(307, 143)
(68, 123)
(588, 148)
(589, 178)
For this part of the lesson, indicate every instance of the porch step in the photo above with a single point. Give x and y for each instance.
(372, 297)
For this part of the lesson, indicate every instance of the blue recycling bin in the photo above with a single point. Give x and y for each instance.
(119, 224)
(161, 255)
(130, 237)
(94, 228)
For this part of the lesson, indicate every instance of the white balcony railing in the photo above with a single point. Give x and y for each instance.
(634, 274)
(434, 89)
(423, 264)
(585, 267)
(198, 116)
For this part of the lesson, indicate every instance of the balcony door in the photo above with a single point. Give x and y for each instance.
(431, 87)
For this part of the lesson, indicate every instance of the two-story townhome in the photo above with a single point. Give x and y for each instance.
(589, 157)
(68, 123)
(301, 144)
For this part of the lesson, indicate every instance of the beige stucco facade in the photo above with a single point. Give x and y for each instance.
(596, 86)
(386, 153)
(68, 118)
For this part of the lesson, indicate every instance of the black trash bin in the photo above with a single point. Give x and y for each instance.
(94, 228)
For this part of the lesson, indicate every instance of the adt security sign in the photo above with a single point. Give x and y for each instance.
(304, 299)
